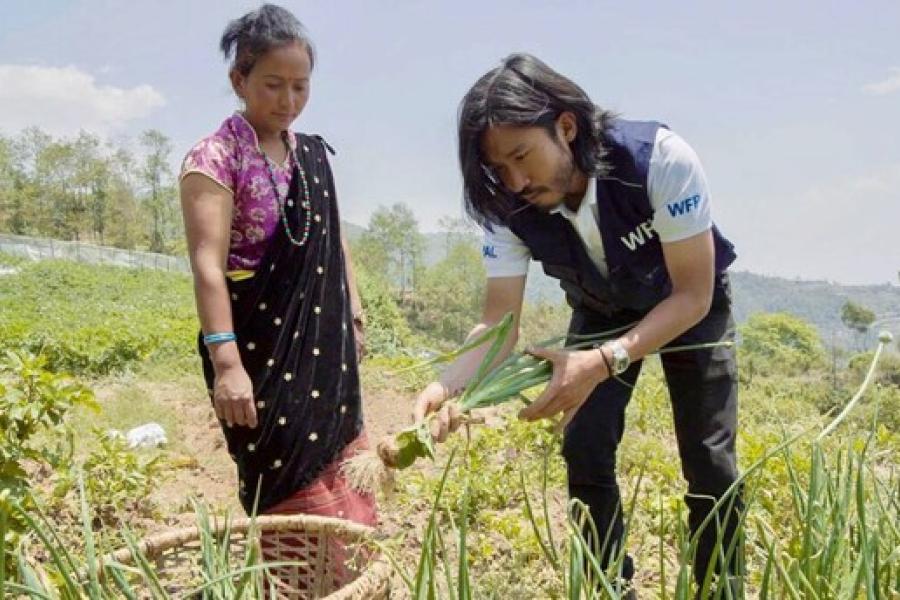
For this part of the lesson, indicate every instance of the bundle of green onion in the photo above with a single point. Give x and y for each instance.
(490, 387)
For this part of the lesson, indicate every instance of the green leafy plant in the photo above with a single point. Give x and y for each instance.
(223, 573)
(34, 404)
(838, 539)
(118, 479)
(96, 320)
(491, 386)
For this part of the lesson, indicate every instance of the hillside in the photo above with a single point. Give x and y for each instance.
(818, 302)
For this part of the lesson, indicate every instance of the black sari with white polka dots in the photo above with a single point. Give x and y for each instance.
(293, 322)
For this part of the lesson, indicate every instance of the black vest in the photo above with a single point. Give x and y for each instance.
(638, 279)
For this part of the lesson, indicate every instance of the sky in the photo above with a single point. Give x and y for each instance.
(793, 107)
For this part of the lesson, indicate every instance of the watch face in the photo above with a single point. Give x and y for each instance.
(620, 358)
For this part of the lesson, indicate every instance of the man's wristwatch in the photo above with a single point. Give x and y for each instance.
(620, 359)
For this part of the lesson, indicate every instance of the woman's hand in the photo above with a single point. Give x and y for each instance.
(575, 375)
(434, 399)
(359, 336)
(233, 397)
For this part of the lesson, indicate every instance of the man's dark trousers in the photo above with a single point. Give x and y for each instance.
(703, 392)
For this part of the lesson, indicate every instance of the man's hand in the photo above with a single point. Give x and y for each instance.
(233, 397)
(434, 399)
(575, 375)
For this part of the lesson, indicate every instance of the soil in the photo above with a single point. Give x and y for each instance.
(202, 468)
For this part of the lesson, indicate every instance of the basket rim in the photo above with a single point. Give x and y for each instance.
(373, 579)
(152, 546)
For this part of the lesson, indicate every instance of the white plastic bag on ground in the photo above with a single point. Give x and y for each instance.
(149, 435)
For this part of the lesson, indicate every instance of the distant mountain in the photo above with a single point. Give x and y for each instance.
(817, 302)
(351, 230)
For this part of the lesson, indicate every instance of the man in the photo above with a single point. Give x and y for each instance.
(619, 212)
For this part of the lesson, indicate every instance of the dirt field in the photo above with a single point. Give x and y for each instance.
(201, 466)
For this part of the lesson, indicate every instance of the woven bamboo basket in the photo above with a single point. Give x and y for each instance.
(334, 557)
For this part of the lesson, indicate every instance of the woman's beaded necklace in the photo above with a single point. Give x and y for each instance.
(305, 204)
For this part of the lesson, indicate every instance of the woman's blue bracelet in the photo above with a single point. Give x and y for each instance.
(218, 338)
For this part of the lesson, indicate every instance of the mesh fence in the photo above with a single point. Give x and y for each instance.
(42, 248)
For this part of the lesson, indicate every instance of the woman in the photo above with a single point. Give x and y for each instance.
(280, 314)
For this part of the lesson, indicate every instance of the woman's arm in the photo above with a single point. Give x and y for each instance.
(207, 210)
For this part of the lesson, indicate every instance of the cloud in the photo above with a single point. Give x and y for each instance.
(886, 86)
(64, 100)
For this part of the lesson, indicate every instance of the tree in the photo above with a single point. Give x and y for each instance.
(858, 318)
(79, 188)
(29, 212)
(123, 207)
(17, 196)
(29, 146)
(372, 255)
(387, 331)
(51, 187)
(457, 230)
(780, 343)
(58, 213)
(450, 295)
(7, 181)
(393, 245)
(92, 185)
(159, 199)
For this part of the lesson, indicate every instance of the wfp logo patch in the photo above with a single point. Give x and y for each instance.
(683, 207)
(489, 251)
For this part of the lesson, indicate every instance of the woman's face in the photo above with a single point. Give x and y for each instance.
(276, 89)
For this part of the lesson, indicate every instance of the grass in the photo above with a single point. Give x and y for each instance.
(220, 571)
(839, 493)
(823, 497)
(821, 522)
(128, 406)
(96, 321)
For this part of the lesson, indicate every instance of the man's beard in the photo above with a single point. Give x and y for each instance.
(559, 186)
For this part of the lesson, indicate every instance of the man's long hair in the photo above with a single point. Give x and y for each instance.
(522, 91)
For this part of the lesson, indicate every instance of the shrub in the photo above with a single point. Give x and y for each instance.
(34, 404)
(96, 320)
(386, 329)
(780, 343)
(116, 477)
